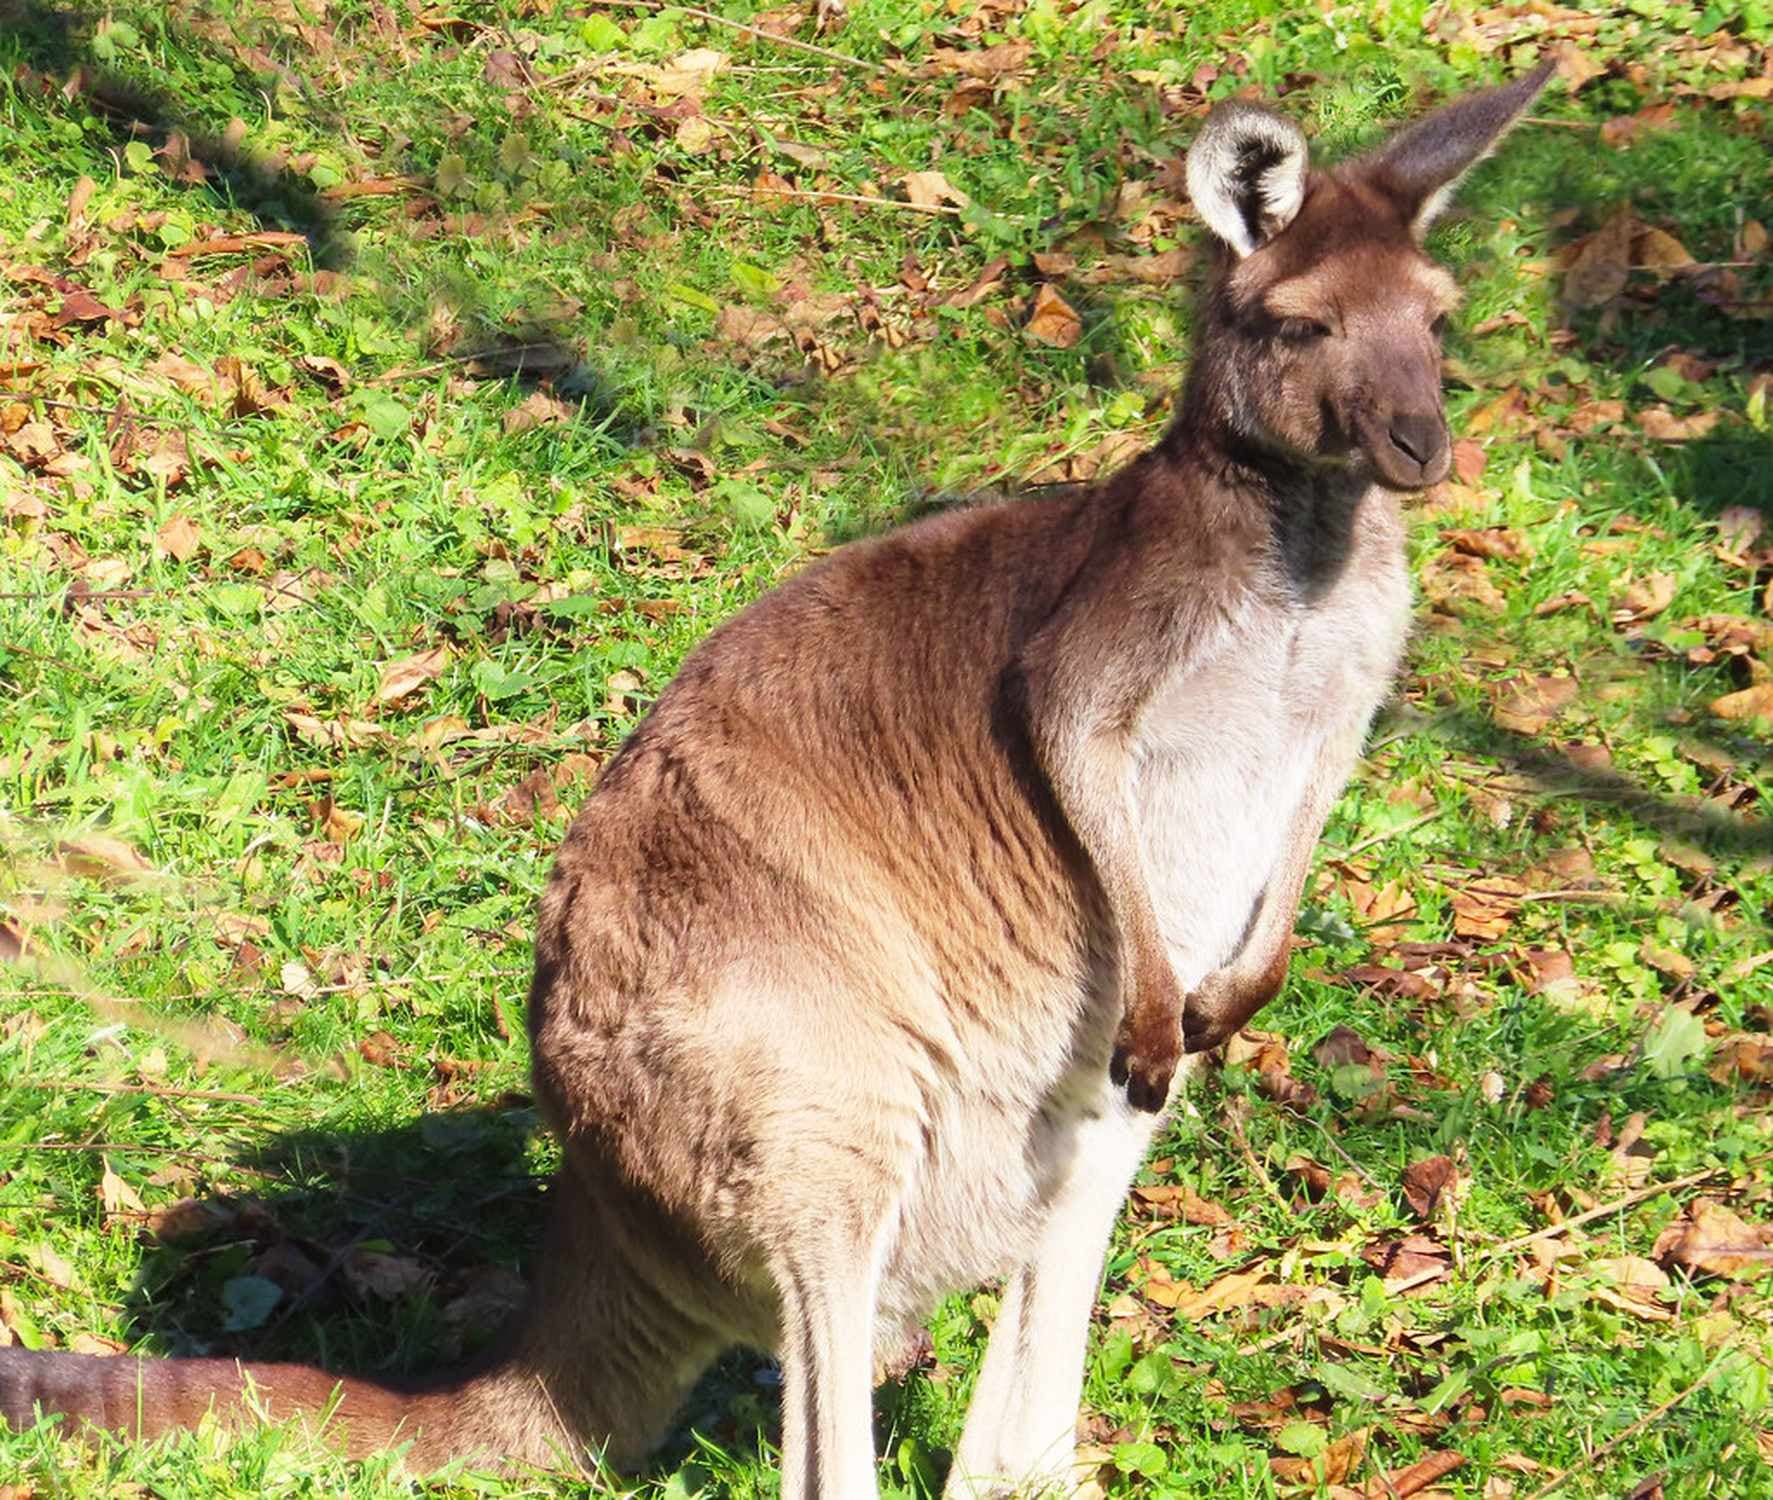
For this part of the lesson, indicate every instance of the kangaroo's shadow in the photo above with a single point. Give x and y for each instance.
(393, 1252)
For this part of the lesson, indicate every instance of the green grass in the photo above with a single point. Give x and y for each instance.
(522, 407)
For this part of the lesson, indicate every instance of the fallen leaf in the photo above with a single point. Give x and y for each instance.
(1231, 1291)
(1329, 1468)
(1577, 66)
(1501, 542)
(932, 190)
(335, 823)
(1633, 1285)
(1603, 265)
(1053, 322)
(189, 377)
(1658, 250)
(177, 538)
(392, 1278)
(1453, 579)
(1712, 1239)
(1413, 1261)
(380, 1050)
(1484, 908)
(1341, 1046)
(1468, 461)
(1180, 1201)
(1666, 961)
(1400, 1484)
(1751, 703)
(1643, 598)
(695, 135)
(1591, 415)
(401, 679)
(100, 857)
(1574, 599)
(749, 326)
(1664, 426)
(539, 409)
(117, 1196)
(1426, 1182)
(1528, 705)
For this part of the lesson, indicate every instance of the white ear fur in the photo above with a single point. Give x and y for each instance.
(1246, 173)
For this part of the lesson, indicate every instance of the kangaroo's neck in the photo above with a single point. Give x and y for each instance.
(1304, 508)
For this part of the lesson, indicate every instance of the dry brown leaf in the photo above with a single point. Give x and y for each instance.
(116, 1195)
(1658, 250)
(1713, 1239)
(1739, 526)
(932, 190)
(1528, 705)
(749, 326)
(1633, 1286)
(401, 679)
(1468, 461)
(1376, 906)
(1330, 1468)
(1502, 542)
(1178, 1200)
(1751, 703)
(1676, 966)
(1456, 578)
(177, 538)
(336, 823)
(190, 378)
(1484, 908)
(99, 856)
(1664, 426)
(1643, 598)
(539, 409)
(1052, 321)
(1591, 415)
(1412, 1479)
(1427, 1182)
(1603, 265)
(1414, 1261)
(1574, 599)
(333, 734)
(381, 1050)
(1745, 1060)
(1341, 1046)
(1238, 1289)
(687, 74)
(370, 1273)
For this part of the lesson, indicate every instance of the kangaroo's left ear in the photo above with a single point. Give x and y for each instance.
(1421, 165)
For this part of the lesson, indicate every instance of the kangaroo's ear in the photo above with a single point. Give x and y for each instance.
(1421, 165)
(1246, 173)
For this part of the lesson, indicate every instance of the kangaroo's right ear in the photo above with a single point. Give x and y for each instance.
(1246, 173)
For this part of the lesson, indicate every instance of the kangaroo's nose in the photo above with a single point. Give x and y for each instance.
(1418, 437)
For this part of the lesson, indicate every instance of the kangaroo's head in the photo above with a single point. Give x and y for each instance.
(1322, 338)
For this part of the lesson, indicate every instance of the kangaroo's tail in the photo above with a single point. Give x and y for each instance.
(478, 1415)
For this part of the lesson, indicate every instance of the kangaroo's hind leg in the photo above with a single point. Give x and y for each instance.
(1020, 1432)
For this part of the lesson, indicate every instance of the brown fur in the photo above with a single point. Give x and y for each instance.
(919, 851)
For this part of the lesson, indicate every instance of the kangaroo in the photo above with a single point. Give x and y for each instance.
(867, 970)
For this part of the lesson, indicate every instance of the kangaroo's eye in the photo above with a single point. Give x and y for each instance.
(1439, 326)
(1301, 330)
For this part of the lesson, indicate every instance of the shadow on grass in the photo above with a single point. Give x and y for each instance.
(397, 1251)
(59, 45)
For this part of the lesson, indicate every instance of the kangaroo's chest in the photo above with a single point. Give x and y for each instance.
(1230, 750)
